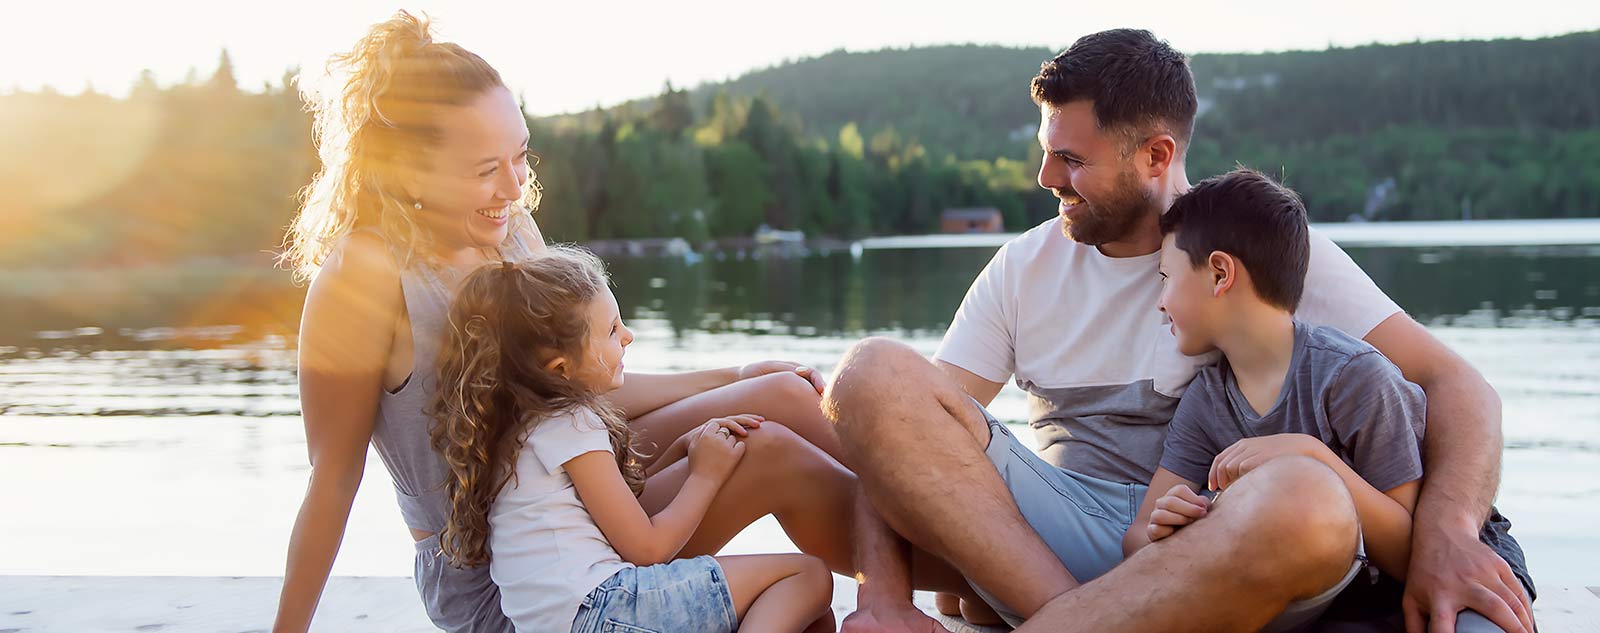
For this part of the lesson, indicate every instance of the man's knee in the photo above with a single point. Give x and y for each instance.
(1299, 514)
(870, 369)
(886, 394)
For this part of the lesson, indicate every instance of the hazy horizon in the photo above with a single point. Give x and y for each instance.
(689, 46)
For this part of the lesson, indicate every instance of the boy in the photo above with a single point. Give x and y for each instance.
(1234, 259)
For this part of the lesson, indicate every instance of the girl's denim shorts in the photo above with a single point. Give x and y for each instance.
(680, 596)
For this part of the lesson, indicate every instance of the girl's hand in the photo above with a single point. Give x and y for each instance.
(714, 452)
(775, 366)
(1246, 454)
(1179, 507)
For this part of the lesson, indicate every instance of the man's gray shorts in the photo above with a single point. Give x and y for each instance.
(1082, 519)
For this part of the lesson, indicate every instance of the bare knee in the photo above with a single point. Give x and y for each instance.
(819, 581)
(885, 390)
(784, 391)
(867, 368)
(775, 449)
(1302, 518)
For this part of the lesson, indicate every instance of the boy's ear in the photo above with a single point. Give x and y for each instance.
(1224, 271)
(558, 366)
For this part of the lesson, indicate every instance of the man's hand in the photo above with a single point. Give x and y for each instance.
(901, 618)
(775, 366)
(1451, 571)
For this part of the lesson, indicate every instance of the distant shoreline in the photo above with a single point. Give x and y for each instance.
(1579, 232)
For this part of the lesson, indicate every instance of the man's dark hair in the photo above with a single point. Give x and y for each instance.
(1134, 80)
(1261, 223)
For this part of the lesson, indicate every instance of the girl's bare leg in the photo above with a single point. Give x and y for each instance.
(779, 592)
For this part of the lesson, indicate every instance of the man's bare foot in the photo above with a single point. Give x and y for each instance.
(947, 603)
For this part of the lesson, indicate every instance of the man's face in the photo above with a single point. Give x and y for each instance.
(1102, 195)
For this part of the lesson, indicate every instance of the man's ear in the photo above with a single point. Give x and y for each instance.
(1224, 270)
(1162, 152)
(558, 366)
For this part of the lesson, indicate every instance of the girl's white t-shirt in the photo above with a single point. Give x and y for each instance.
(545, 551)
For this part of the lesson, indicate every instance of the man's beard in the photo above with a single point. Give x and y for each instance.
(1114, 217)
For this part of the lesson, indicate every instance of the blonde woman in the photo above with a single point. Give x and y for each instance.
(425, 176)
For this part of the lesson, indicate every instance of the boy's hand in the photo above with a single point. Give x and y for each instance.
(714, 452)
(1246, 454)
(1179, 507)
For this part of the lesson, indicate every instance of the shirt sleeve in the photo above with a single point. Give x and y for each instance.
(981, 337)
(1378, 417)
(1189, 450)
(1339, 294)
(559, 439)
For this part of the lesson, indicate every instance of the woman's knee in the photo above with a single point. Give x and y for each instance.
(784, 391)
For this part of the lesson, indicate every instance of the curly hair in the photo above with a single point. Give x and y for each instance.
(506, 323)
(375, 117)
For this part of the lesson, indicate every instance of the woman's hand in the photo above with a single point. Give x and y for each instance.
(715, 452)
(739, 425)
(775, 366)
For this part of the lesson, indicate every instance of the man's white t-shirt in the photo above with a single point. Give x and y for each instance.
(545, 552)
(1081, 333)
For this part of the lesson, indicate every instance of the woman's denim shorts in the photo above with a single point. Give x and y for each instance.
(683, 595)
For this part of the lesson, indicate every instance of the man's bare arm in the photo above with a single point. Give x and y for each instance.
(980, 388)
(1461, 461)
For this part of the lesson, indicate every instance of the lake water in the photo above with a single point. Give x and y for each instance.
(149, 422)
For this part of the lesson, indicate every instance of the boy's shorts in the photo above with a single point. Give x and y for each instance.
(683, 595)
(1082, 519)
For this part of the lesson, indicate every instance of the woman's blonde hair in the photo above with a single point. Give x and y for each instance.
(507, 322)
(376, 118)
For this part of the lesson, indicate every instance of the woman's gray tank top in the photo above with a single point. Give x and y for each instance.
(463, 600)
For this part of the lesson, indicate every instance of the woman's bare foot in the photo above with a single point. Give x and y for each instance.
(980, 613)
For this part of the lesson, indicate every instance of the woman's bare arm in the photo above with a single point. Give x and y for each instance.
(346, 332)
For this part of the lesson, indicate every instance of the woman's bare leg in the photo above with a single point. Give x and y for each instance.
(781, 474)
(782, 397)
(779, 592)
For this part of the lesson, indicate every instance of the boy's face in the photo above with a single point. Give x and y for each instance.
(1188, 299)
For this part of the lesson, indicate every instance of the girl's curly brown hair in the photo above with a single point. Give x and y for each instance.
(507, 321)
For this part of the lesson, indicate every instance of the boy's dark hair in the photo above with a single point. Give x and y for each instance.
(1134, 80)
(1261, 223)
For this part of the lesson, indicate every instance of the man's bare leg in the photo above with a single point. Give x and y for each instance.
(916, 441)
(1286, 531)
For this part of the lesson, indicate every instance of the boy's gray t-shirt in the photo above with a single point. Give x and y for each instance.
(1338, 389)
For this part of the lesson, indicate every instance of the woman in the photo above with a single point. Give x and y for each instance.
(426, 176)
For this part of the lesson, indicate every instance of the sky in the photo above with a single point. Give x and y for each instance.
(569, 56)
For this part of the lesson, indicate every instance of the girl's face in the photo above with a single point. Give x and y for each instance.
(600, 369)
(476, 174)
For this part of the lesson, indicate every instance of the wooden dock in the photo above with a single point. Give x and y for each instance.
(188, 604)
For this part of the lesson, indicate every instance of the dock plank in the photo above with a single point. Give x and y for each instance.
(188, 604)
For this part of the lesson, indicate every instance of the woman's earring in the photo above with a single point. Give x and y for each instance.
(417, 205)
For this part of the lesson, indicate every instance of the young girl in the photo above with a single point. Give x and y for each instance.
(544, 479)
